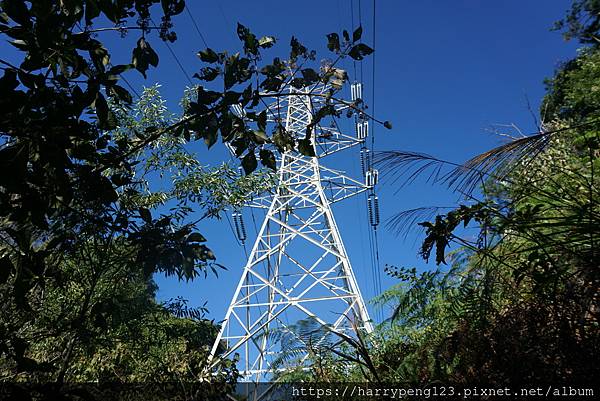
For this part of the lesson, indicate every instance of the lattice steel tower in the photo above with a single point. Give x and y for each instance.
(298, 267)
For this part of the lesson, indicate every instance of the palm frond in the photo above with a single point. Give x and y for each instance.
(404, 167)
(404, 222)
(496, 163)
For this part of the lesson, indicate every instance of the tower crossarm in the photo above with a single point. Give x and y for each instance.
(329, 140)
(336, 185)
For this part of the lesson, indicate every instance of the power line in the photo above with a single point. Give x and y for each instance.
(352, 25)
(175, 57)
(360, 25)
(196, 25)
(376, 239)
(372, 236)
(373, 79)
(130, 86)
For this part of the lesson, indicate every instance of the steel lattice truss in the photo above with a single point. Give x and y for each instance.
(298, 268)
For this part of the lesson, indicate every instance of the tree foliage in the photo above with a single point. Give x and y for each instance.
(582, 22)
(84, 225)
(525, 287)
(94, 319)
(518, 301)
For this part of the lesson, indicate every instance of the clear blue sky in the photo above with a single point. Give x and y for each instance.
(445, 72)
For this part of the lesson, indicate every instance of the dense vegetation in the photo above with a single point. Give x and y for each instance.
(82, 230)
(519, 301)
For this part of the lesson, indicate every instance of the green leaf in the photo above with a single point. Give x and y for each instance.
(208, 55)
(143, 56)
(359, 51)
(310, 76)
(271, 84)
(266, 42)
(333, 42)
(122, 94)
(145, 215)
(17, 11)
(283, 140)
(249, 162)
(346, 35)
(267, 158)
(91, 11)
(208, 74)
(298, 83)
(260, 137)
(297, 49)
(261, 120)
(119, 69)
(100, 56)
(106, 118)
(196, 237)
(249, 39)
(357, 34)
(306, 148)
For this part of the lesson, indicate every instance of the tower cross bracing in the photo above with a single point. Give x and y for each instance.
(298, 267)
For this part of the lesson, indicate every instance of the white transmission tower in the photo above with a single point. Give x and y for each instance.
(298, 269)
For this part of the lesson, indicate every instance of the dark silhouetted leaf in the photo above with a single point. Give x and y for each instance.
(17, 11)
(145, 215)
(208, 74)
(196, 237)
(306, 148)
(106, 118)
(249, 39)
(357, 34)
(333, 42)
(283, 140)
(143, 56)
(261, 120)
(298, 83)
(267, 158)
(297, 49)
(271, 84)
(359, 51)
(208, 55)
(249, 162)
(122, 94)
(310, 76)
